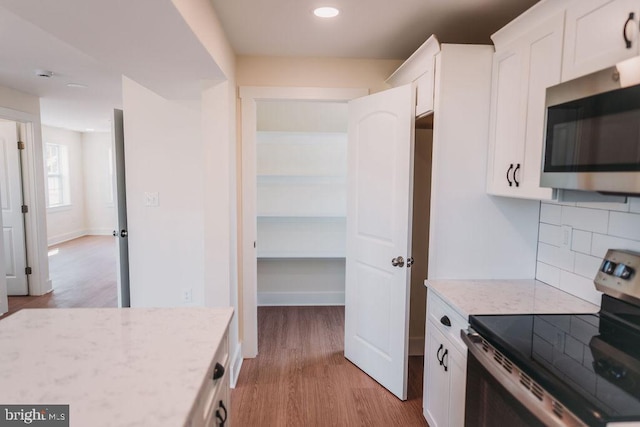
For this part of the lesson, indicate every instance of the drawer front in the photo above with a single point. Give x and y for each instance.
(213, 391)
(439, 312)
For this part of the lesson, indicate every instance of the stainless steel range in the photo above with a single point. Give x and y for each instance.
(561, 369)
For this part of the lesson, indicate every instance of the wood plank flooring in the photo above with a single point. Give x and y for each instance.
(83, 272)
(301, 378)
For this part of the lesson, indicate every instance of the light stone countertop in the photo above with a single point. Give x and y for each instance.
(507, 297)
(114, 367)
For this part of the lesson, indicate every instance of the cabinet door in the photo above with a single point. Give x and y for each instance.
(436, 379)
(507, 118)
(543, 49)
(595, 35)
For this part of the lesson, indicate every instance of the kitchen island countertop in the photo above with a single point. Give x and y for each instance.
(114, 367)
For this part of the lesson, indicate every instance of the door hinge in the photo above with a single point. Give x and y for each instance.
(25, 209)
(28, 270)
(20, 145)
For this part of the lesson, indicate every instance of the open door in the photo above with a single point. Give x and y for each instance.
(15, 254)
(381, 130)
(121, 232)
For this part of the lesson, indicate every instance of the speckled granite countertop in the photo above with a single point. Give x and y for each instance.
(114, 367)
(507, 297)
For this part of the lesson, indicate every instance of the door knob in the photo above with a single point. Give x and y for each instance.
(123, 233)
(410, 262)
(397, 262)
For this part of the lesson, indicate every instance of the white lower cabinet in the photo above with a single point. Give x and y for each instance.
(445, 366)
(213, 404)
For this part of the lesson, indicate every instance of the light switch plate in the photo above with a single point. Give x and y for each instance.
(151, 199)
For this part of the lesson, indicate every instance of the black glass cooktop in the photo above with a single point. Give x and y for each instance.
(589, 362)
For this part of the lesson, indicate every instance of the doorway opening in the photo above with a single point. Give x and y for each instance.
(80, 197)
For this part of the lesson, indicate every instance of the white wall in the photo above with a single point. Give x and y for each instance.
(67, 222)
(99, 191)
(592, 229)
(92, 208)
(163, 154)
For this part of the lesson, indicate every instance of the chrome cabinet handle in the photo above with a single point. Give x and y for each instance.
(397, 261)
(509, 170)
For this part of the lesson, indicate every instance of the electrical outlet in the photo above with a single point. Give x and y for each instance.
(565, 236)
(186, 296)
(151, 199)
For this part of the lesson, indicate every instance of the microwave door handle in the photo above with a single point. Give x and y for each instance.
(514, 175)
(509, 170)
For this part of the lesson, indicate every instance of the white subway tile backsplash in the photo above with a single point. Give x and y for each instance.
(622, 207)
(579, 286)
(550, 234)
(550, 213)
(601, 242)
(581, 241)
(625, 225)
(562, 258)
(586, 219)
(586, 265)
(548, 274)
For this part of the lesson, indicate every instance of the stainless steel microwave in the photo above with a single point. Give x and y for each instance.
(592, 132)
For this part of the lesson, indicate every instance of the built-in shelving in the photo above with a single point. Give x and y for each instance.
(301, 197)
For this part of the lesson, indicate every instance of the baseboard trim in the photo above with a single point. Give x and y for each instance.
(99, 232)
(300, 298)
(61, 238)
(236, 365)
(416, 346)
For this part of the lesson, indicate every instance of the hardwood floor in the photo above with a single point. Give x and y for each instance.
(83, 272)
(301, 378)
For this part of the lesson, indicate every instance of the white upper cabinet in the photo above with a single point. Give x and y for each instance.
(419, 69)
(598, 34)
(525, 65)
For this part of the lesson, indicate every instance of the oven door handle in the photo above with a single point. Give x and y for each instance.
(543, 410)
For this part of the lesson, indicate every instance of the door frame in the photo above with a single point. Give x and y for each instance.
(249, 96)
(39, 282)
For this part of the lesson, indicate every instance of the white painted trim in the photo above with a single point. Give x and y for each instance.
(527, 20)
(61, 238)
(236, 366)
(416, 346)
(419, 61)
(249, 95)
(300, 298)
(34, 197)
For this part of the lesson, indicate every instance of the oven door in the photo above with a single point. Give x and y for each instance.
(488, 403)
(499, 394)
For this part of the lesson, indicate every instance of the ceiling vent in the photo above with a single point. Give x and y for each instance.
(44, 73)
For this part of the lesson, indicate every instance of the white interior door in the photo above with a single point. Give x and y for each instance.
(15, 256)
(381, 129)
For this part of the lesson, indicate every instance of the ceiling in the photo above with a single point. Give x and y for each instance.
(383, 29)
(95, 42)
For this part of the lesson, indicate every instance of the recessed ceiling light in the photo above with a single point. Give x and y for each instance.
(44, 73)
(77, 85)
(326, 12)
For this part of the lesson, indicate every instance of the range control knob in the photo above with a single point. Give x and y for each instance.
(623, 271)
(608, 267)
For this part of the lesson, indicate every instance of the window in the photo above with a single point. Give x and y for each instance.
(57, 161)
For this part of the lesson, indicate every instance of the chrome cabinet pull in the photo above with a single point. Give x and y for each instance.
(508, 171)
(627, 41)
